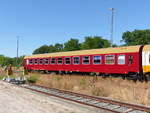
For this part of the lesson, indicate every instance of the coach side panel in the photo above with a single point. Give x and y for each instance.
(122, 63)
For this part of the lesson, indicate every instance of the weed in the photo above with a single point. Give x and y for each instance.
(83, 81)
(123, 90)
(1, 77)
(33, 78)
(67, 86)
(57, 78)
(92, 74)
(99, 92)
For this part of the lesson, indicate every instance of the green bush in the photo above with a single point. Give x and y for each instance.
(92, 74)
(1, 77)
(83, 81)
(57, 78)
(33, 79)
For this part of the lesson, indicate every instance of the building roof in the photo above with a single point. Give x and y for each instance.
(125, 49)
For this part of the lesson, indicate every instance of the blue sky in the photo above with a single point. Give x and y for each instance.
(40, 22)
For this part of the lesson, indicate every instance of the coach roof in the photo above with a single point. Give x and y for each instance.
(125, 49)
(146, 48)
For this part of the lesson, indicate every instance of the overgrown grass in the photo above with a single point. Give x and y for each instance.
(83, 81)
(57, 77)
(99, 92)
(116, 88)
(33, 78)
(1, 77)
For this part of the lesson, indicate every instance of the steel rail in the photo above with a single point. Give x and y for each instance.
(71, 100)
(131, 107)
(138, 107)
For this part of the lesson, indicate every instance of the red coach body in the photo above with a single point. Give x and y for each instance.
(120, 60)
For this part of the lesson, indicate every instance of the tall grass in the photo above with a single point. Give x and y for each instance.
(57, 78)
(83, 81)
(33, 78)
(1, 77)
(116, 88)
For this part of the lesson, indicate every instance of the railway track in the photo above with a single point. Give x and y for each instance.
(97, 102)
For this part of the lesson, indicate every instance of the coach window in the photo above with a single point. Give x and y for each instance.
(86, 59)
(130, 59)
(35, 61)
(31, 61)
(59, 61)
(109, 59)
(76, 60)
(97, 59)
(46, 61)
(53, 60)
(67, 60)
(121, 59)
(41, 61)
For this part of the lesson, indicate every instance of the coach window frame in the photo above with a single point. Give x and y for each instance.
(100, 60)
(46, 61)
(41, 59)
(53, 60)
(78, 60)
(113, 59)
(69, 60)
(35, 61)
(49, 59)
(84, 61)
(61, 60)
(124, 59)
(30, 61)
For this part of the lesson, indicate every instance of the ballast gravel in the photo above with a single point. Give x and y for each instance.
(14, 99)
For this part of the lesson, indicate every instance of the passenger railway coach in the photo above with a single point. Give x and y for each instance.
(129, 60)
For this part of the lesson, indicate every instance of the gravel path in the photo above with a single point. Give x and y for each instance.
(14, 99)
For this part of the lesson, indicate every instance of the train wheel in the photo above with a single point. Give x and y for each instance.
(146, 77)
(103, 75)
(123, 77)
(146, 80)
(140, 77)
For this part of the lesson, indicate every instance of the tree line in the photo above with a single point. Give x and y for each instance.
(74, 44)
(4, 60)
(136, 37)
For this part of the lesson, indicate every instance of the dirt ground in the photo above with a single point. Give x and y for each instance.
(19, 100)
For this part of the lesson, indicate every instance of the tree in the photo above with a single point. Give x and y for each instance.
(2, 60)
(17, 62)
(136, 37)
(95, 42)
(7, 60)
(71, 45)
(114, 45)
(58, 47)
(51, 49)
(42, 49)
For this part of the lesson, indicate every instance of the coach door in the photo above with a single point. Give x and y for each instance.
(27, 62)
(130, 61)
